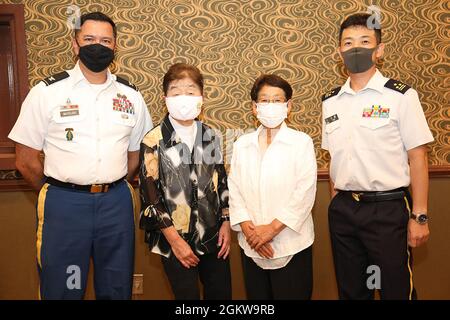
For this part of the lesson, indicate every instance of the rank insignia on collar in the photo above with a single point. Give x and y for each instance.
(122, 104)
(376, 111)
(55, 78)
(331, 93)
(69, 134)
(397, 86)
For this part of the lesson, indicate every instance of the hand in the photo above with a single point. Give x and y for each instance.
(224, 240)
(266, 251)
(247, 228)
(418, 234)
(184, 253)
(261, 235)
(334, 192)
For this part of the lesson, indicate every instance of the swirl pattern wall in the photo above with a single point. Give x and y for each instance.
(232, 42)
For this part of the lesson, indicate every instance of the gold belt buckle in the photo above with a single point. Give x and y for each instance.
(356, 196)
(96, 188)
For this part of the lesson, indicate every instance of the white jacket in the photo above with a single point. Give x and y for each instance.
(280, 184)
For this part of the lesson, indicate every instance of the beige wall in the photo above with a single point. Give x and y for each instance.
(19, 280)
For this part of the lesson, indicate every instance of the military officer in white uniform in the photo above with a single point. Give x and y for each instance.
(89, 124)
(376, 133)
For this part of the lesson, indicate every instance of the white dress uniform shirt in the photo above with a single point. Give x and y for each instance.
(84, 130)
(279, 183)
(368, 134)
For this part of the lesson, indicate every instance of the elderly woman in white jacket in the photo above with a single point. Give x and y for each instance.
(272, 187)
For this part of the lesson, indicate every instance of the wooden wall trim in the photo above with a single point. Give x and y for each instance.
(434, 171)
(439, 171)
(14, 185)
(322, 175)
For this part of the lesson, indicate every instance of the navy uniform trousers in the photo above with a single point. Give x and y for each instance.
(74, 226)
(365, 234)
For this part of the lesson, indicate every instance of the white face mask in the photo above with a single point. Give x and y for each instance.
(184, 107)
(271, 115)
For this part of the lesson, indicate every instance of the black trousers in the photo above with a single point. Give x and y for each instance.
(214, 274)
(292, 282)
(368, 237)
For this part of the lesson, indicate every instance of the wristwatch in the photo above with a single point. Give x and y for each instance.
(225, 215)
(420, 218)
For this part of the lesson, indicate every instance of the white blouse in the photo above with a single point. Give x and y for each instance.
(278, 183)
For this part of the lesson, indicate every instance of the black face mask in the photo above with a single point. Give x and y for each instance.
(96, 57)
(358, 59)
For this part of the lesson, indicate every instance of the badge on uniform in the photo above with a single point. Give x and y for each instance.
(69, 110)
(376, 111)
(331, 119)
(69, 134)
(122, 104)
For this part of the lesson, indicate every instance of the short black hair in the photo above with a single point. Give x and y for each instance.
(360, 19)
(96, 16)
(273, 81)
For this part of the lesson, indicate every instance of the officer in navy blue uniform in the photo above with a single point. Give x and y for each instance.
(89, 124)
(376, 133)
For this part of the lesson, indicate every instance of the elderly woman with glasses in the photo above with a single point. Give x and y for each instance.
(272, 185)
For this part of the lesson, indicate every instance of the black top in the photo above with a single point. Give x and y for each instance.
(181, 188)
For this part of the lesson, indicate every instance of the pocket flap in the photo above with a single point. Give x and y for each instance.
(374, 123)
(123, 118)
(330, 127)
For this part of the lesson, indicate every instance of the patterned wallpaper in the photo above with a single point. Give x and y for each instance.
(232, 42)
